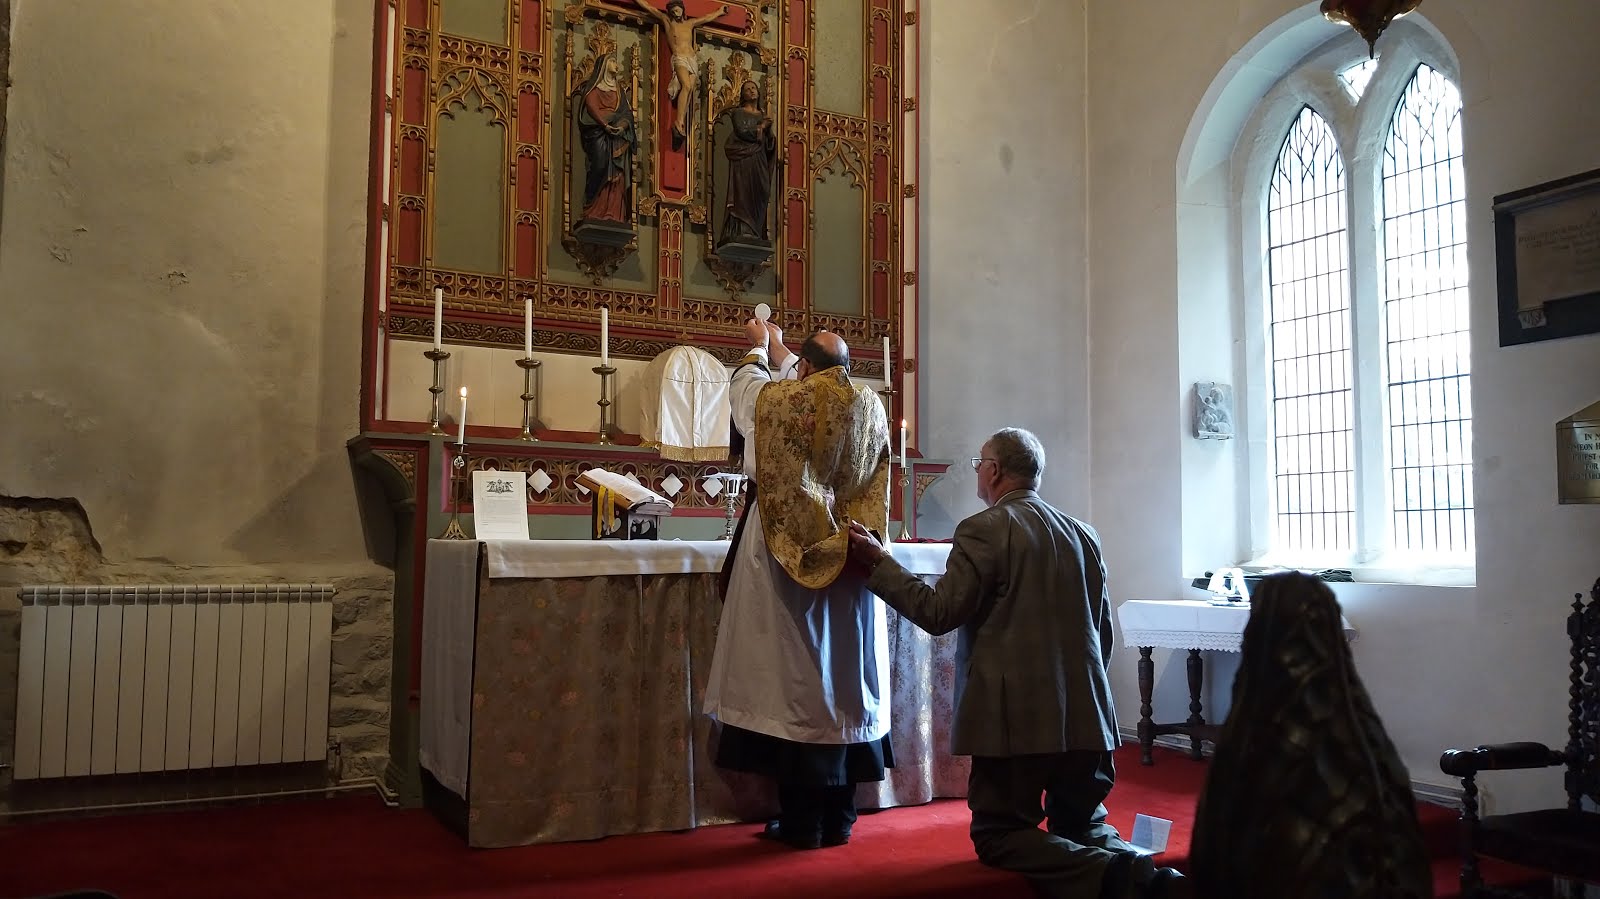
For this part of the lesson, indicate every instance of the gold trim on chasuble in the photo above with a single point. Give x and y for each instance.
(811, 484)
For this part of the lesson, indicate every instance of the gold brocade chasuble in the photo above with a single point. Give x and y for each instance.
(822, 460)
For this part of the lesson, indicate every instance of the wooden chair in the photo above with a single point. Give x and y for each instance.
(1562, 841)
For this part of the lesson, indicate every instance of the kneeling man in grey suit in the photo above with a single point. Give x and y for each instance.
(1026, 585)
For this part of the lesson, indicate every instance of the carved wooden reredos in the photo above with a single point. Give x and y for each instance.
(479, 168)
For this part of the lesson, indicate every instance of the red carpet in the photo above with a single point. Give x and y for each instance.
(353, 847)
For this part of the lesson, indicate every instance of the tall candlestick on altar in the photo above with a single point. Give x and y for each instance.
(605, 337)
(902, 447)
(527, 329)
(888, 369)
(462, 440)
(438, 317)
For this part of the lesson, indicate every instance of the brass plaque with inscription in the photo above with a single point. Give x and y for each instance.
(1578, 457)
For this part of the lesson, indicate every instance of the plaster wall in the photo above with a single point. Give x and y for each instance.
(1004, 315)
(184, 223)
(182, 257)
(1447, 667)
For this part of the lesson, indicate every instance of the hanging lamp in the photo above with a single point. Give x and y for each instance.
(1368, 17)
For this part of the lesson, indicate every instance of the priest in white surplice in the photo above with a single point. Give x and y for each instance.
(800, 677)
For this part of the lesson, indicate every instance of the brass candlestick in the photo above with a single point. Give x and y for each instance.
(438, 357)
(532, 384)
(887, 391)
(458, 476)
(905, 502)
(607, 416)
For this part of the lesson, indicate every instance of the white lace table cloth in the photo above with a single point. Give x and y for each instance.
(1188, 624)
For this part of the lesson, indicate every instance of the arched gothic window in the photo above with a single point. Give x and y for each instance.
(1365, 366)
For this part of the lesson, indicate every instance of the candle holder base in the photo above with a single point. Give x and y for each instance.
(906, 510)
(532, 385)
(607, 414)
(437, 356)
(458, 476)
(888, 400)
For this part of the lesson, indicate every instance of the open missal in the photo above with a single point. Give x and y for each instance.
(622, 508)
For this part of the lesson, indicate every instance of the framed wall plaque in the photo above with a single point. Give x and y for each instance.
(1547, 252)
(1578, 457)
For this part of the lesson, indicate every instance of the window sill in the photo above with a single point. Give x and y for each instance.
(1396, 570)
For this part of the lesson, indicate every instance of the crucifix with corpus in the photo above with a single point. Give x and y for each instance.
(684, 23)
(679, 29)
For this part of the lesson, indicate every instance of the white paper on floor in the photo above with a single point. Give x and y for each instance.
(1150, 834)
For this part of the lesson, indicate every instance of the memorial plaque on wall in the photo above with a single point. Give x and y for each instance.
(1547, 256)
(1578, 457)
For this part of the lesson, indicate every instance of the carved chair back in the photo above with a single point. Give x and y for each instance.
(1583, 702)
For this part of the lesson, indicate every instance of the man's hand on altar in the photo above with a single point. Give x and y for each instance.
(865, 550)
(755, 330)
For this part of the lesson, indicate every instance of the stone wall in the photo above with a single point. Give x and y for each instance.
(49, 541)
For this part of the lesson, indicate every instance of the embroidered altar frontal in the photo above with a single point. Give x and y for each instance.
(676, 162)
(563, 682)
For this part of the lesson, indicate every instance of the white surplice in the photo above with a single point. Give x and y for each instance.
(809, 666)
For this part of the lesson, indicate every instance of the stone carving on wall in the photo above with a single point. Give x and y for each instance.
(1213, 411)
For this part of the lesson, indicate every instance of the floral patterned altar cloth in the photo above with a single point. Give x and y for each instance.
(562, 683)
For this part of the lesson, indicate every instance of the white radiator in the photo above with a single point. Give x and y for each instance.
(129, 679)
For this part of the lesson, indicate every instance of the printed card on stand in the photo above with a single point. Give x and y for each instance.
(500, 505)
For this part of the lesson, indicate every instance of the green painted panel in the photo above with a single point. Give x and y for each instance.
(469, 189)
(839, 260)
(484, 20)
(841, 56)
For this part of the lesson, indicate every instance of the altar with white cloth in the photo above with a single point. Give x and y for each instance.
(562, 683)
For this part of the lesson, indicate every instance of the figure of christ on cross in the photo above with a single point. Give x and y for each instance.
(680, 29)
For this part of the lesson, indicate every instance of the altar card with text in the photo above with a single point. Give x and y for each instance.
(500, 505)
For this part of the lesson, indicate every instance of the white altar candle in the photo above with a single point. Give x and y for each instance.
(527, 329)
(888, 369)
(462, 440)
(902, 446)
(605, 336)
(438, 317)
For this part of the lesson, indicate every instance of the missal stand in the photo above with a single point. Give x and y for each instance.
(621, 508)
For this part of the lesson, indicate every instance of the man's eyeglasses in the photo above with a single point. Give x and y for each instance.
(977, 461)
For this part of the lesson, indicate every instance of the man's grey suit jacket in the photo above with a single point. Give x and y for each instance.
(1026, 584)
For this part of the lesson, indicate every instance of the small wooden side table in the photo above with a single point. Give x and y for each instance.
(1192, 624)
